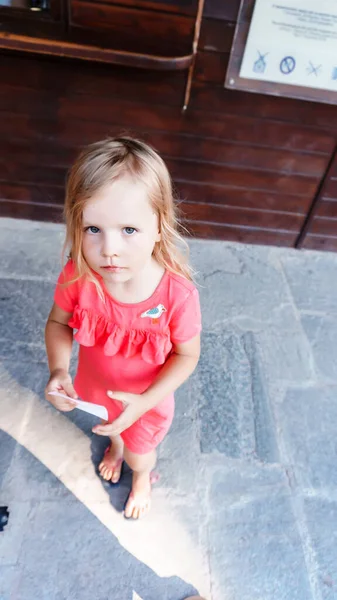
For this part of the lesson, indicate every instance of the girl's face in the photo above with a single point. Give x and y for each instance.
(120, 230)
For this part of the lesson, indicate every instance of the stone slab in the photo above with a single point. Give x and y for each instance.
(84, 560)
(54, 539)
(8, 447)
(307, 419)
(285, 355)
(11, 538)
(256, 549)
(28, 478)
(25, 306)
(213, 257)
(321, 518)
(30, 249)
(321, 332)
(311, 277)
(255, 296)
(9, 581)
(184, 433)
(234, 408)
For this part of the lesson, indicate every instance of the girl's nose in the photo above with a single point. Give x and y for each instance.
(111, 245)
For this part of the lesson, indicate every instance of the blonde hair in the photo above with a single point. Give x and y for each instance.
(104, 162)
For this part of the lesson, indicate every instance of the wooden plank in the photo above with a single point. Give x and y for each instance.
(186, 191)
(78, 78)
(215, 214)
(31, 193)
(327, 208)
(230, 127)
(183, 7)
(239, 177)
(240, 234)
(27, 168)
(25, 22)
(32, 102)
(38, 212)
(41, 152)
(318, 242)
(228, 153)
(73, 133)
(97, 50)
(330, 188)
(323, 226)
(54, 151)
(248, 198)
(216, 36)
(229, 215)
(170, 93)
(211, 66)
(133, 30)
(218, 9)
(35, 212)
(114, 111)
(262, 106)
(31, 171)
(99, 119)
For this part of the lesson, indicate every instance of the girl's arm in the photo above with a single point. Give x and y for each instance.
(59, 341)
(176, 370)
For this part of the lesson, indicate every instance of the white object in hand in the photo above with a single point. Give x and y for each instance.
(94, 409)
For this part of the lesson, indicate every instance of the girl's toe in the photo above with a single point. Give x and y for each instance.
(129, 509)
(107, 474)
(115, 477)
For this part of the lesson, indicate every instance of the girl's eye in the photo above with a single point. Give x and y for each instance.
(92, 229)
(129, 230)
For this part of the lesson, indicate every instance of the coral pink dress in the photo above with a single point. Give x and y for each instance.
(124, 346)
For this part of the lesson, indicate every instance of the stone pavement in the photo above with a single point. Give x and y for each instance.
(246, 507)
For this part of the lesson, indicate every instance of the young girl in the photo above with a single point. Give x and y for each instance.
(127, 290)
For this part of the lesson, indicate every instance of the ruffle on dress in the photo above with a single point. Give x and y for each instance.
(93, 328)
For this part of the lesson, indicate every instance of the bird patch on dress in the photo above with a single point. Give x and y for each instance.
(154, 313)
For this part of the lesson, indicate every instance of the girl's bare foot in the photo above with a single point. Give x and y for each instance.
(111, 465)
(139, 502)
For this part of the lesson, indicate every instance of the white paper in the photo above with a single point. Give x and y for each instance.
(94, 409)
(293, 42)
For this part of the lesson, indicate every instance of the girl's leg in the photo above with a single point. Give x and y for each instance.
(111, 465)
(139, 502)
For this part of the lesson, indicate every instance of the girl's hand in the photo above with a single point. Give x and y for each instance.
(60, 381)
(135, 408)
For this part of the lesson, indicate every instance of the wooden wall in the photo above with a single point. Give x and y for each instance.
(247, 167)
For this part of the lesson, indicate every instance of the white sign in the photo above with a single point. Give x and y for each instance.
(293, 42)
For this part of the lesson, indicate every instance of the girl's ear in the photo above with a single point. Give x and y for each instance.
(158, 238)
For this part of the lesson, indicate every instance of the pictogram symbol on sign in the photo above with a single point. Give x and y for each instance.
(287, 65)
(260, 63)
(312, 70)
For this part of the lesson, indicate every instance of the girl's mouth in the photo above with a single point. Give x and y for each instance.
(111, 269)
